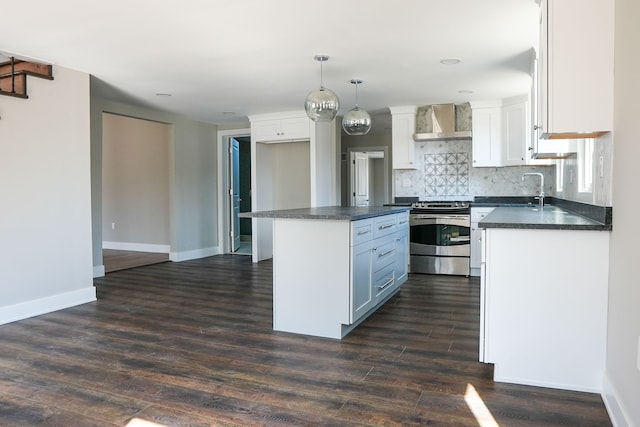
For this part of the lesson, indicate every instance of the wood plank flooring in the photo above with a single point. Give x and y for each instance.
(191, 344)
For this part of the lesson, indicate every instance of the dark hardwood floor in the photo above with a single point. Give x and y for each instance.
(191, 344)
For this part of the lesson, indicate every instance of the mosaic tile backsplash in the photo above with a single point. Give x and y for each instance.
(444, 172)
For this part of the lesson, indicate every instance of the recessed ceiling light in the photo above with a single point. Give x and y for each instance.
(465, 91)
(163, 94)
(450, 61)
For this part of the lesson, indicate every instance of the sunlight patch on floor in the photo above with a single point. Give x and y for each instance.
(478, 408)
(138, 422)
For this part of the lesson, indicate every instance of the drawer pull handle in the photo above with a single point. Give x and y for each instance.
(403, 222)
(386, 253)
(387, 283)
(382, 227)
(360, 233)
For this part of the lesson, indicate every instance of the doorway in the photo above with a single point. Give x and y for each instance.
(135, 192)
(240, 194)
(368, 177)
(234, 189)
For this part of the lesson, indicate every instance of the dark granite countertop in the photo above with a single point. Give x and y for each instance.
(561, 214)
(551, 217)
(328, 212)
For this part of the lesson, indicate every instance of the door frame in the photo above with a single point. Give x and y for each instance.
(351, 170)
(224, 206)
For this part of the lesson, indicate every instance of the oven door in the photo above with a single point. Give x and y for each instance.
(440, 235)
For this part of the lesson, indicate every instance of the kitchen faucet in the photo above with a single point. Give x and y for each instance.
(541, 195)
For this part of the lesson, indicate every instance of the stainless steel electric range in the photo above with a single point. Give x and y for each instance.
(439, 237)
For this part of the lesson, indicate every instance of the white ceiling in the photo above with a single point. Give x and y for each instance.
(224, 60)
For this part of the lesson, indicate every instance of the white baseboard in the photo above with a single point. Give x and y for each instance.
(24, 310)
(615, 409)
(139, 247)
(497, 377)
(98, 271)
(194, 254)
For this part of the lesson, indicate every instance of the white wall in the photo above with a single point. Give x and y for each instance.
(622, 385)
(45, 220)
(135, 184)
(192, 186)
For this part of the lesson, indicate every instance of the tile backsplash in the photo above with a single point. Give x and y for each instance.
(444, 172)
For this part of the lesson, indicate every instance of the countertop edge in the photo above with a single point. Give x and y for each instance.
(334, 213)
(526, 223)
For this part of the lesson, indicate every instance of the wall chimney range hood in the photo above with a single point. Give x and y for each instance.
(443, 117)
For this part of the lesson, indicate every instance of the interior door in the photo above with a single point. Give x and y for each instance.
(360, 179)
(234, 193)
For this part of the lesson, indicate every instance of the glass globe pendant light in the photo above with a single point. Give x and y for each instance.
(356, 121)
(322, 105)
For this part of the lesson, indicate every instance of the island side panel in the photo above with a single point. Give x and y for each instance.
(311, 276)
(547, 306)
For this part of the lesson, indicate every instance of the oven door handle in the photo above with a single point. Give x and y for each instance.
(443, 220)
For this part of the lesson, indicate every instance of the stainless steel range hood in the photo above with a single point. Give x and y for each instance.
(443, 117)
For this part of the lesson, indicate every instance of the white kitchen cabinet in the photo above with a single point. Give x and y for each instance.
(330, 274)
(486, 120)
(500, 132)
(362, 291)
(515, 130)
(403, 126)
(281, 129)
(477, 214)
(544, 309)
(402, 248)
(270, 163)
(575, 69)
(380, 260)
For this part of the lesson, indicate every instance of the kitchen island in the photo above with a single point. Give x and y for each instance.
(544, 276)
(334, 266)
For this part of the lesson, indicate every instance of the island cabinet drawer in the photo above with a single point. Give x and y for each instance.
(402, 220)
(384, 225)
(361, 231)
(384, 253)
(383, 281)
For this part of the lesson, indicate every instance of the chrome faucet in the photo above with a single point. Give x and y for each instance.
(541, 195)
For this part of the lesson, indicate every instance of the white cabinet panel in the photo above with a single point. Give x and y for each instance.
(486, 119)
(362, 290)
(280, 130)
(575, 68)
(545, 311)
(403, 126)
(477, 214)
(515, 131)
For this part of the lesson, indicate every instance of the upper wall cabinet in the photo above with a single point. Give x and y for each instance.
(575, 69)
(281, 129)
(403, 126)
(486, 146)
(500, 132)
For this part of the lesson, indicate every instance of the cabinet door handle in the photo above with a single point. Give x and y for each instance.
(360, 233)
(382, 227)
(387, 283)
(386, 253)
